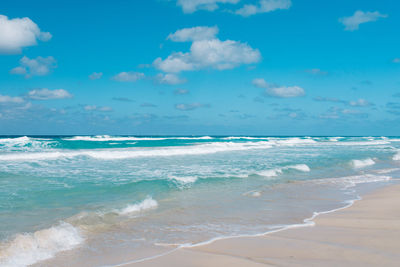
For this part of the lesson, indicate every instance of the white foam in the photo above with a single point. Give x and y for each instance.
(361, 163)
(146, 204)
(110, 154)
(24, 143)
(335, 139)
(270, 173)
(106, 138)
(183, 179)
(277, 171)
(396, 156)
(291, 141)
(29, 248)
(300, 167)
(244, 137)
(256, 194)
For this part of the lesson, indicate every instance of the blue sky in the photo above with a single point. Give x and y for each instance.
(217, 67)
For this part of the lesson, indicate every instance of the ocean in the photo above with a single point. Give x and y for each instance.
(76, 200)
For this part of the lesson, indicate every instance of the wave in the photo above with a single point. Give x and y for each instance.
(244, 137)
(183, 179)
(291, 141)
(361, 163)
(396, 156)
(29, 248)
(110, 154)
(277, 171)
(25, 143)
(146, 204)
(335, 139)
(106, 138)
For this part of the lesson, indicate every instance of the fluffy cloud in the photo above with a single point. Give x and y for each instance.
(194, 34)
(264, 6)
(46, 94)
(352, 23)
(208, 53)
(190, 6)
(192, 106)
(11, 99)
(18, 33)
(130, 76)
(95, 75)
(169, 78)
(278, 91)
(39, 66)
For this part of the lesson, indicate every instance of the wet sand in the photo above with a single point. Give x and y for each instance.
(365, 234)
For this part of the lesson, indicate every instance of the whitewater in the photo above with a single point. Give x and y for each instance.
(71, 199)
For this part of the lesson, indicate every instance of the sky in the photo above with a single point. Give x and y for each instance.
(200, 67)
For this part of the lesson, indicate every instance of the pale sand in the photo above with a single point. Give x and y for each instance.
(365, 234)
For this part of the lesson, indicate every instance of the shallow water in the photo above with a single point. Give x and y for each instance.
(75, 198)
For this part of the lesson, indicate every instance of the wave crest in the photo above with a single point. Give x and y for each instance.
(148, 203)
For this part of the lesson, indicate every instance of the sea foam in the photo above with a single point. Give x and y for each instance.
(29, 248)
(146, 204)
(361, 163)
(110, 154)
(396, 156)
(277, 171)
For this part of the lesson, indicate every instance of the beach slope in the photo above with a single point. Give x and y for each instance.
(365, 234)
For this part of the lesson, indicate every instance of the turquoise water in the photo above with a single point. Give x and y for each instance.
(75, 197)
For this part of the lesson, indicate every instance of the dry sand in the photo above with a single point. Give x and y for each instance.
(365, 234)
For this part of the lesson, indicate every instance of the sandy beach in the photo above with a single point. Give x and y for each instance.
(365, 234)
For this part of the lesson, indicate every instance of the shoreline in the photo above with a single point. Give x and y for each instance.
(238, 250)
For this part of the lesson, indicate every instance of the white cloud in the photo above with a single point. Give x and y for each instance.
(352, 23)
(169, 78)
(260, 83)
(46, 94)
(194, 34)
(39, 66)
(285, 92)
(11, 99)
(192, 106)
(97, 108)
(95, 75)
(190, 6)
(18, 33)
(130, 76)
(278, 91)
(264, 6)
(208, 53)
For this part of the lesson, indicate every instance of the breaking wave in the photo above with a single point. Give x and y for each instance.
(362, 163)
(29, 248)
